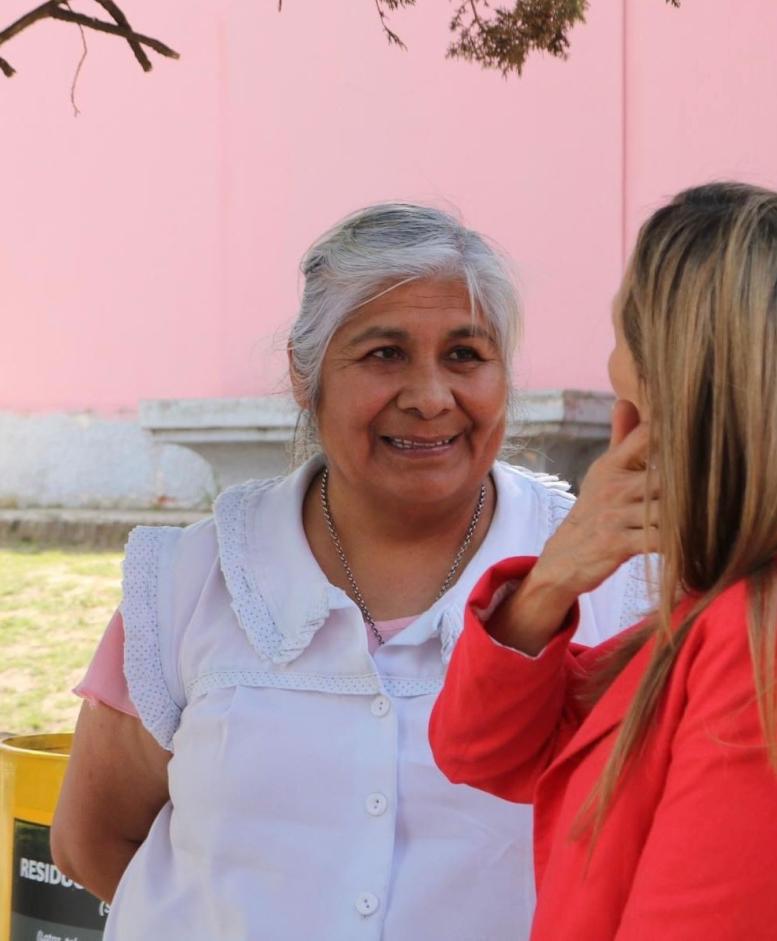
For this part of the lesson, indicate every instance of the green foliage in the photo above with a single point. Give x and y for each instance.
(384, 5)
(501, 36)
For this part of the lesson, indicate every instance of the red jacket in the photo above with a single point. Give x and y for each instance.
(688, 851)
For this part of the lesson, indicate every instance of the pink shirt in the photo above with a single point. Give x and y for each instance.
(104, 680)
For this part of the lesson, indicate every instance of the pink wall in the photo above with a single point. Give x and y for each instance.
(149, 248)
(701, 85)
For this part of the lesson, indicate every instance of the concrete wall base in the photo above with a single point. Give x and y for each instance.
(94, 529)
(83, 461)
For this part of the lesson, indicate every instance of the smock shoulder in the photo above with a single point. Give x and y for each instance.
(553, 492)
(153, 555)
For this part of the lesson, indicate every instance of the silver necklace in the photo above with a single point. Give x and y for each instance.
(356, 594)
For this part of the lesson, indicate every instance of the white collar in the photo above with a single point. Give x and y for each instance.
(281, 595)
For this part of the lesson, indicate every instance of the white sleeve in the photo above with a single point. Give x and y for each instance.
(150, 660)
(622, 600)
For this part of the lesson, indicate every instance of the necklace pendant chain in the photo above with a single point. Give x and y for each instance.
(356, 594)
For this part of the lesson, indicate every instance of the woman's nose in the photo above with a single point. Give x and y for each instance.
(427, 393)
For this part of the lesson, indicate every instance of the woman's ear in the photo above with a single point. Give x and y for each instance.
(297, 385)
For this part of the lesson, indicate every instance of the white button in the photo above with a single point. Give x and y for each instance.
(377, 804)
(380, 706)
(367, 903)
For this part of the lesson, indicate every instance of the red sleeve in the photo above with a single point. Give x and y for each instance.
(502, 715)
(104, 680)
(709, 866)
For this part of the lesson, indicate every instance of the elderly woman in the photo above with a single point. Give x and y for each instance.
(265, 771)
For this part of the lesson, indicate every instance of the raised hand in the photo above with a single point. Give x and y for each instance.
(615, 518)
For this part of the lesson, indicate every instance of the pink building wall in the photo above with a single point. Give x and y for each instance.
(700, 86)
(149, 247)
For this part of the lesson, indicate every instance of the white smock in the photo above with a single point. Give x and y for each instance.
(305, 804)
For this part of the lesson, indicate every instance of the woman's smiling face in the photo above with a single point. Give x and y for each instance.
(413, 396)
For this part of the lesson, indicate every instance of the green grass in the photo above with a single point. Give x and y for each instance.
(54, 605)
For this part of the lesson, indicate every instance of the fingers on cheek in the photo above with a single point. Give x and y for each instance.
(642, 488)
(652, 541)
(608, 522)
(619, 488)
(641, 518)
(612, 493)
(647, 539)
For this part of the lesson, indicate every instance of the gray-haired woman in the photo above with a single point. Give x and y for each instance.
(261, 770)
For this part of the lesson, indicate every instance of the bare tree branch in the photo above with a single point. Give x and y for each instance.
(113, 9)
(58, 10)
(77, 73)
(28, 19)
(114, 29)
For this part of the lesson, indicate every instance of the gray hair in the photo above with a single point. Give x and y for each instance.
(379, 248)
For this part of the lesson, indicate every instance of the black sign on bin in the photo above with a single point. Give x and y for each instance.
(45, 904)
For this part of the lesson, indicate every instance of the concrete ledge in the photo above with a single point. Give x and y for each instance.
(97, 529)
(566, 413)
(268, 417)
(559, 431)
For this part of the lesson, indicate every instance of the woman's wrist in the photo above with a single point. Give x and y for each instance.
(528, 618)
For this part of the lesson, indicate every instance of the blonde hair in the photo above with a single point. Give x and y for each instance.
(699, 313)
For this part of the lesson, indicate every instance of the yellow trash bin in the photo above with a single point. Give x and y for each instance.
(37, 902)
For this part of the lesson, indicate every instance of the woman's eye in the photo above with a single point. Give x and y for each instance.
(465, 354)
(386, 353)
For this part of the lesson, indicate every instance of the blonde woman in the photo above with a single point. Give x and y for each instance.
(651, 760)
